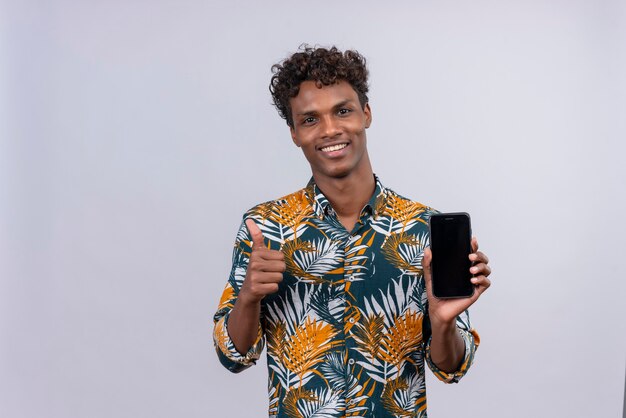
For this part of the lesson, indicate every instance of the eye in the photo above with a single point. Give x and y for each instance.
(344, 111)
(308, 121)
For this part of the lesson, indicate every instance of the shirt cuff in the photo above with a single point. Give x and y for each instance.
(471, 340)
(232, 359)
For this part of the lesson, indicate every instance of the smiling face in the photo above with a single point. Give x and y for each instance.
(329, 125)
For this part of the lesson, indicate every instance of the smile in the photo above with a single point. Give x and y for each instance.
(334, 147)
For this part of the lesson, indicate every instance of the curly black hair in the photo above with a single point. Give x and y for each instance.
(324, 66)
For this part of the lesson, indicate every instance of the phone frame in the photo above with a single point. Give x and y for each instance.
(469, 240)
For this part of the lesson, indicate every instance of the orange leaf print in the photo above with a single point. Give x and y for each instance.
(403, 210)
(228, 298)
(402, 339)
(391, 251)
(291, 210)
(307, 347)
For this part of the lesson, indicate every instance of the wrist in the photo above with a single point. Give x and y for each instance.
(443, 327)
(247, 301)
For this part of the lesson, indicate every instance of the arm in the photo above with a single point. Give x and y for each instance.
(447, 347)
(243, 324)
(238, 335)
(264, 273)
(453, 342)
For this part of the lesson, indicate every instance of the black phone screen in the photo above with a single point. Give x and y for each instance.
(450, 243)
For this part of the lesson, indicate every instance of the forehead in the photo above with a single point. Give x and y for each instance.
(311, 97)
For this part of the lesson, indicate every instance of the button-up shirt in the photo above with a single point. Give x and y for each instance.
(347, 333)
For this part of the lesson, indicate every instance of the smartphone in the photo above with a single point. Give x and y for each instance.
(450, 243)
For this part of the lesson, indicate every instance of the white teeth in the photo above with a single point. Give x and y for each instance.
(334, 147)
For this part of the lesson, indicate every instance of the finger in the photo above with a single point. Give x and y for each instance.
(262, 289)
(474, 244)
(480, 269)
(479, 257)
(272, 255)
(274, 277)
(256, 234)
(426, 260)
(269, 288)
(481, 283)
(275, 266)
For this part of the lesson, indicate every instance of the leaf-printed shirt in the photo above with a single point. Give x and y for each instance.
(347, 332)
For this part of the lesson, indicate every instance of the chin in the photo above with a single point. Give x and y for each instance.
(338, 173)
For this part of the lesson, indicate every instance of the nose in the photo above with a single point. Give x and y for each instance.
(330, 127)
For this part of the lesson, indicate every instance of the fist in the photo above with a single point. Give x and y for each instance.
(265, 269)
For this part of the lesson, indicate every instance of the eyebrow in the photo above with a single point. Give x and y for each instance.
(336, 106)
(342, 103)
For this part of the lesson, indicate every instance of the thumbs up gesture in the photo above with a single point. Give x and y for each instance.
(265, 269)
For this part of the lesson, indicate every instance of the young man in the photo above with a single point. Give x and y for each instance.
(335, 278)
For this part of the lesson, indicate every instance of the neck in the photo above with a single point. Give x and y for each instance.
(348, 195)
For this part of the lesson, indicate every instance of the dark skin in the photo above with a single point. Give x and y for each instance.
(333, 116)
(446, 346)
(265, 272)
(329, 125)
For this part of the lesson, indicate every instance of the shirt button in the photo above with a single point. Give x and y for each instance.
(351, 361)
(351, 320)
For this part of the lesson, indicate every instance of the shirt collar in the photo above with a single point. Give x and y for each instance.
(322, 207)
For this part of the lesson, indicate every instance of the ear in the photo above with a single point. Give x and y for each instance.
(368, 115)
(292, 131)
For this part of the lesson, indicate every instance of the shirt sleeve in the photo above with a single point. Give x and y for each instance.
(471, 340)
(226, 351)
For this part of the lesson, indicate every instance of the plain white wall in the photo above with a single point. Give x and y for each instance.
(132, 138)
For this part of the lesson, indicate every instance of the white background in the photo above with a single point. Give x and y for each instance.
(134, 134)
